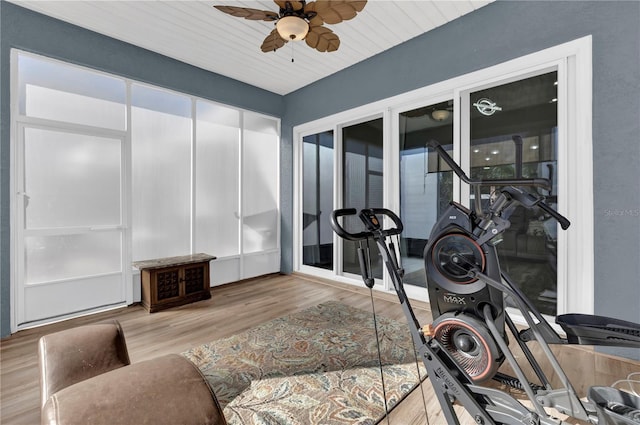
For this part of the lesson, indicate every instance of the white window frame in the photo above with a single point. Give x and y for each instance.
(18, 123)
(235, 267)
(573, 62)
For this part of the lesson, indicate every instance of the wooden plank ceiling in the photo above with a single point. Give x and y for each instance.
(192, 31)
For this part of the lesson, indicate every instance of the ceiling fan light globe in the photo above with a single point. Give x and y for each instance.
(292, 28)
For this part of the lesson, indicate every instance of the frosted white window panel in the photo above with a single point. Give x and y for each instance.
(260, 179)
(51, 258)
(71, 94)
(71, 179)
(217, 209)
(161, 150)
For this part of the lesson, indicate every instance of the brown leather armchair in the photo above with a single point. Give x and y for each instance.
(86, 378)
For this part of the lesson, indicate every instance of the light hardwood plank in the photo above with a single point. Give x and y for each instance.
(234, 308)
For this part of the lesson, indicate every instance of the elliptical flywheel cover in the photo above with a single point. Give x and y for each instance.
(470, 343)
(455, 254)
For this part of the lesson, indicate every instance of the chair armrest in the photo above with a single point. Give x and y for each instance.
(164, 390)
(73, 355)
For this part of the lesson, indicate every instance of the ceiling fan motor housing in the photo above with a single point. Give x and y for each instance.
(290, 10)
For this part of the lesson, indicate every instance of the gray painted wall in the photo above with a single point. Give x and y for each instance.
(496, 33)
(29, 31)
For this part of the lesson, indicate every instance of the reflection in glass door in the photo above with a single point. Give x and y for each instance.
(317, 200)
(426, 186)
(513, 133)
(362, 186)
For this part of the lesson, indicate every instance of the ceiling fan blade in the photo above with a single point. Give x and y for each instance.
(272, 42)
(310, 9)
(316, 21)
(336, 11)
(295, 5)
(322, 39)
(248, 13)
(312, 16)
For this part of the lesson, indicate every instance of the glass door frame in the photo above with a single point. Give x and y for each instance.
(298, 164)
(370, 113)
(19, 232)
(573, 62)
(18, 124)
(463, 144)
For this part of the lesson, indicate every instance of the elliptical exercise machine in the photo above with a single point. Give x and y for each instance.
(468, 341)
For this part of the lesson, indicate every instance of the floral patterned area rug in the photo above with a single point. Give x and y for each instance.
(316, 366)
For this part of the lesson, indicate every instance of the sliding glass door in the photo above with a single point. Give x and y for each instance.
(507, 131)
(528, 117)
(317, 200)
(357, 167)
(362, 186)
(426, 182)
(513, 133)
(502, 130)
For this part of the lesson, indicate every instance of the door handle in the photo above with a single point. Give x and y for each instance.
(25, 198)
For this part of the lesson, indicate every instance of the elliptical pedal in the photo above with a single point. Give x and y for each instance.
(615, 407)
(586, 329)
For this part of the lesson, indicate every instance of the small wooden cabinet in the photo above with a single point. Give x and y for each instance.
(173, 281)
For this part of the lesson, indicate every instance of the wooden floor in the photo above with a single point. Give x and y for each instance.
(237, 307)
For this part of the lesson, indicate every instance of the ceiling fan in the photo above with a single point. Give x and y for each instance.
(299, 20)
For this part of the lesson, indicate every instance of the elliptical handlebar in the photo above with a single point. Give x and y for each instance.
(526, 199)
(340, 231)
(536, 182)
(564, 221)
(368, 217)
(530, 201)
